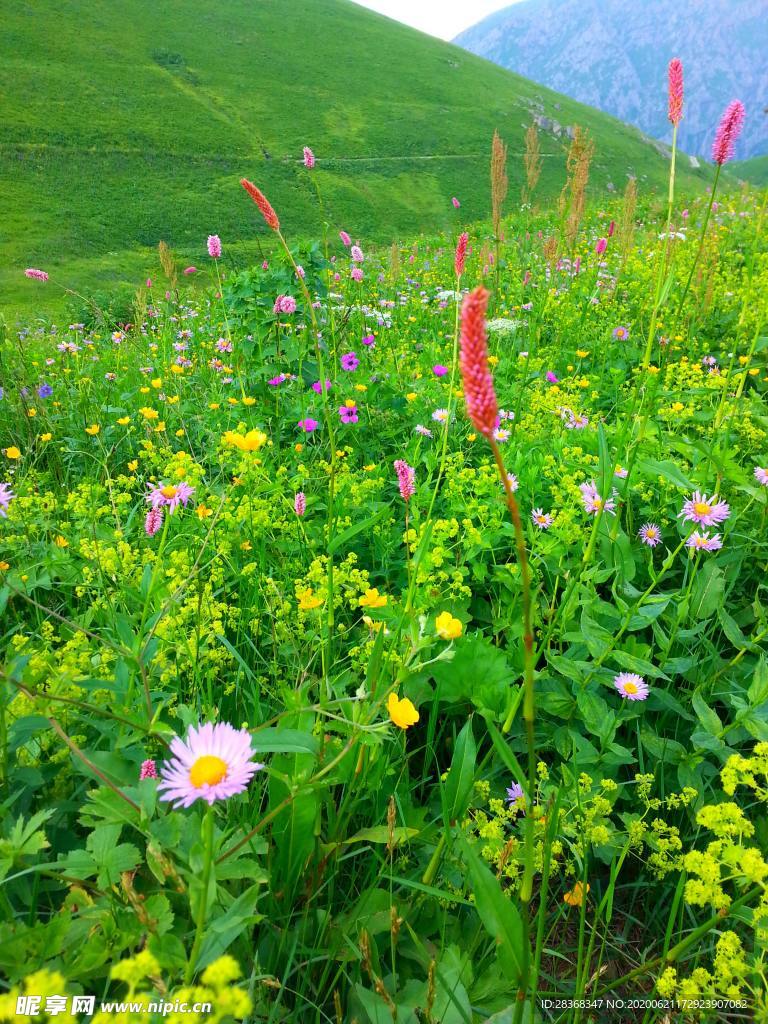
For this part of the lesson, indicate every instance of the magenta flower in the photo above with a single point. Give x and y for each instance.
(369, 340)
(601, 246)
(345, 239)
(308, 424)
(153, 521)
(631, 686)
(406, 479)
(761, 475)
(281, 378)
(439, 370)
(552, 377)
(356, 274)
(349, 361)
(214, 247)
(348, 412)
(728, 132)
(611, 228)
(309, 158)
(6, 497)
(300, 503)
(169, 496)
(284, 304)
(650, 534)
(148, 770)
(36, 275)
(675, 111)
(356, 253)
(456, 203)
(318, 386)
(703, 542)
(190, 270)
(213, 764)
(704, 511)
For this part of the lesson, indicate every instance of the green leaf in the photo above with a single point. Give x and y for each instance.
(222, 931)
(708, 718)
(666, 469)
(283, 741)
(499, 916)
(461, 777)
(708, 590)
(352, 531)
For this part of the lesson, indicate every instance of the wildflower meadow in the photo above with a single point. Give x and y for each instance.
(385, 629)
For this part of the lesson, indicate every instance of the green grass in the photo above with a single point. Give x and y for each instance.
(754, 170)
(137, 124)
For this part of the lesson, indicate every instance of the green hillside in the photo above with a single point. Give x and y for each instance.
(754, 170)
(124, 123)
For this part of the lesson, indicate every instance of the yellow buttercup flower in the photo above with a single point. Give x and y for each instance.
(175, 368)
(402, 712)
(61, 542)
(124, 421)
(447, 627)
(133, 465)
(203, 512)
(12, 452)
(575, 897)
(308, 600)
(249, 401)
(46, 437)
(157, 382)
(149, 414)
(250, 442)
(93, 429)
(373, 599)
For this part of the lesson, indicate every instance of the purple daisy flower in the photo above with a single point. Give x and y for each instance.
(631, 686)
(542, 519)
(213, 764)
(170, 496)
(703, 542)
(6, 497)
(761, 475)
(592, 501)
(516, 796)
(650, 534)
(704, 511)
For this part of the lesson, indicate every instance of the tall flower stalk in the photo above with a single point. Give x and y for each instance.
(482, 409)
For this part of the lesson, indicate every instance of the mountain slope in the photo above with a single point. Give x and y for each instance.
(137, 124)
(613, 54)
(754, 170)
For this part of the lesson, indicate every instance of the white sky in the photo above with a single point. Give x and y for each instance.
(441, 18)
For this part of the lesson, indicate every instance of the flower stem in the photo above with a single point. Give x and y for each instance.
(202, 907)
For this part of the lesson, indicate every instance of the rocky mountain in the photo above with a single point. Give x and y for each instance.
(613, 55)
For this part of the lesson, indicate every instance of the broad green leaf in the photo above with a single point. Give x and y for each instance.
(666, 469)
(283, 741)
(461, 776)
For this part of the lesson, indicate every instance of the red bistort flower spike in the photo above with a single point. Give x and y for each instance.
(675, 90)
(262, 202)
(728, 131)
(461, 253)
(482, 407)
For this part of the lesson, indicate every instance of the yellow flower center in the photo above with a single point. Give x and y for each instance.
(701, 508)
(207, 771)
(169, 491)
(630, 687)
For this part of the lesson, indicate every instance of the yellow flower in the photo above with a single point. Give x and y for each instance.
(402, 712)
(46, 437)
(61, 542)
(31, 412)
(144, 390)
(249, 401)
(246, 546)
(134, 465)
(149, 414)
(232, 401)
(493, 360)
(4, 566)
(250, 442)
(213, 405)
(12, 452)
(299, 447)
(124, 421)
(157, 382)
(175, 368)
(203, 512)
(93, 429)
(373, 599)
(411, 396)
(447, 627)
(307, 600)
(582, 353)
(361, 387)
(575, 897)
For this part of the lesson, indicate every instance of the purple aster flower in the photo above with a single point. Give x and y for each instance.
(542, 519)
(170, 496)
(592, 501)
(704, 511)
(621, 333)
(650, 534)
(6, 497)
(761, 475)
(631, 686)
(516, 796)
(214, 763)
(703, 542)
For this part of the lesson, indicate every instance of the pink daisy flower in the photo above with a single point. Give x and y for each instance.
(439, 370)
(170, 496)
(650, 534)
(542, 519)
(592, 501)
(213, 764)
(631, 686)
(761, 475)
(703, 542)
(704, 511)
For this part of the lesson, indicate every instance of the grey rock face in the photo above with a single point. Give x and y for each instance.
(613, 55)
